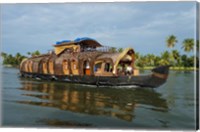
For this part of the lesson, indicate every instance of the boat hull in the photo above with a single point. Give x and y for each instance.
(140, 81)
(158, 77)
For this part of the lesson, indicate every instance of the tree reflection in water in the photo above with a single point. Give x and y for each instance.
(112, 102)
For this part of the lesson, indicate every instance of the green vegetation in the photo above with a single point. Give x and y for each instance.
(169, 57)
(10, 60)
(188, 45)
(171, 41)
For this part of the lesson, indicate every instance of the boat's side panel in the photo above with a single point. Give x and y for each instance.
(142, 81)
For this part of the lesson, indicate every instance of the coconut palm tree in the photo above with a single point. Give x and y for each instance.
(150, 59)
(113, 49)
(176, 56)
(4, 55)
(28, 53)
(120, 50)
(188, 44)
(171, 41)
(35, 53)
(18, 58)
(165, 58)
(137, 55)
(141, 61)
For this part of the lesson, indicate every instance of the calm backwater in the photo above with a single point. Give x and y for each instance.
(29, 103)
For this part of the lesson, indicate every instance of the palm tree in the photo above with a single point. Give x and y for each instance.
(171, 41)
(141, 61)
(157, 60)
(176, 56)
(112, 49)
(150, 59)
(188, 44)
(36, 53)
(4, 55)
(165, 58)
(18, 58)
(120, 50)
(29, 53)
(137, 55)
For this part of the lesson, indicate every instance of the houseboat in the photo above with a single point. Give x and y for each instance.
(86, 61)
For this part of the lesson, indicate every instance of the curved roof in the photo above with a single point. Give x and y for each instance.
(116, 57)
(112, 56)
(79, 41)
(63, 41)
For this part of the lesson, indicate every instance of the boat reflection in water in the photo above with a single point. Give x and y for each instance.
(111, 102)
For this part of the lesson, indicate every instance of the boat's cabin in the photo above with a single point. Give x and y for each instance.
(119, 64)
(78, 45)
(78, 58)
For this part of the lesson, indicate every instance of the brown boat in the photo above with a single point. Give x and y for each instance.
(85, 61)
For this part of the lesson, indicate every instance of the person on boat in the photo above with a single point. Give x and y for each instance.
(121, 70)
(129, 70)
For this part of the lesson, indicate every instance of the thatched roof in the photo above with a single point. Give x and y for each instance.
(89, 55)
(116, 57)
(39, 56)
(112, 56)
(126, 55)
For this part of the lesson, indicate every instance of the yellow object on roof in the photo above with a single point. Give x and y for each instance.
(60, 49)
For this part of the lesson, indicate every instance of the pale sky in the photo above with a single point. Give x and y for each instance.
(143, 26)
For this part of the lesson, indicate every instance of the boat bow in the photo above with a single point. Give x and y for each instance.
(161, 71)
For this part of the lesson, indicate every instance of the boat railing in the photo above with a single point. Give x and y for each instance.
(104, 49)
(100, 49)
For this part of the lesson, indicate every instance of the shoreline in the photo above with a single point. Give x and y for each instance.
(10, 66)
(172, 68)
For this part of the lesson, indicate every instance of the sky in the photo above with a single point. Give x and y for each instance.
(143, 26)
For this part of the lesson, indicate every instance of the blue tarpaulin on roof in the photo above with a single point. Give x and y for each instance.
(77, 40)
(64, 41)
(82, 39)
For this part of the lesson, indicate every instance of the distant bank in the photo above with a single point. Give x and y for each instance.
(140, 68)
(172, 68)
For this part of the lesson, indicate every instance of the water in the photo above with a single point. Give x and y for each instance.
(29, 103)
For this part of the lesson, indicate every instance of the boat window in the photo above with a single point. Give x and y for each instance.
(35, 67)
(86, 68)
(29, 66)
(65, 67)
(68, 50)
(30, 63)
(51, 67)
(44, 66)
(97, 67)
(86, 64)
(107, 67)
(74, 64)
(26, 66)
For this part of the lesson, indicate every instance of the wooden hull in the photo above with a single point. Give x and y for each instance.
(140, 81)
(152, 80)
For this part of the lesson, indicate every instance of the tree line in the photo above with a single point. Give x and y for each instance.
(15, 60)
(169, 57)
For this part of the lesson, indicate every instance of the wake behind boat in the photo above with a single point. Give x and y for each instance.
(86, 61)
